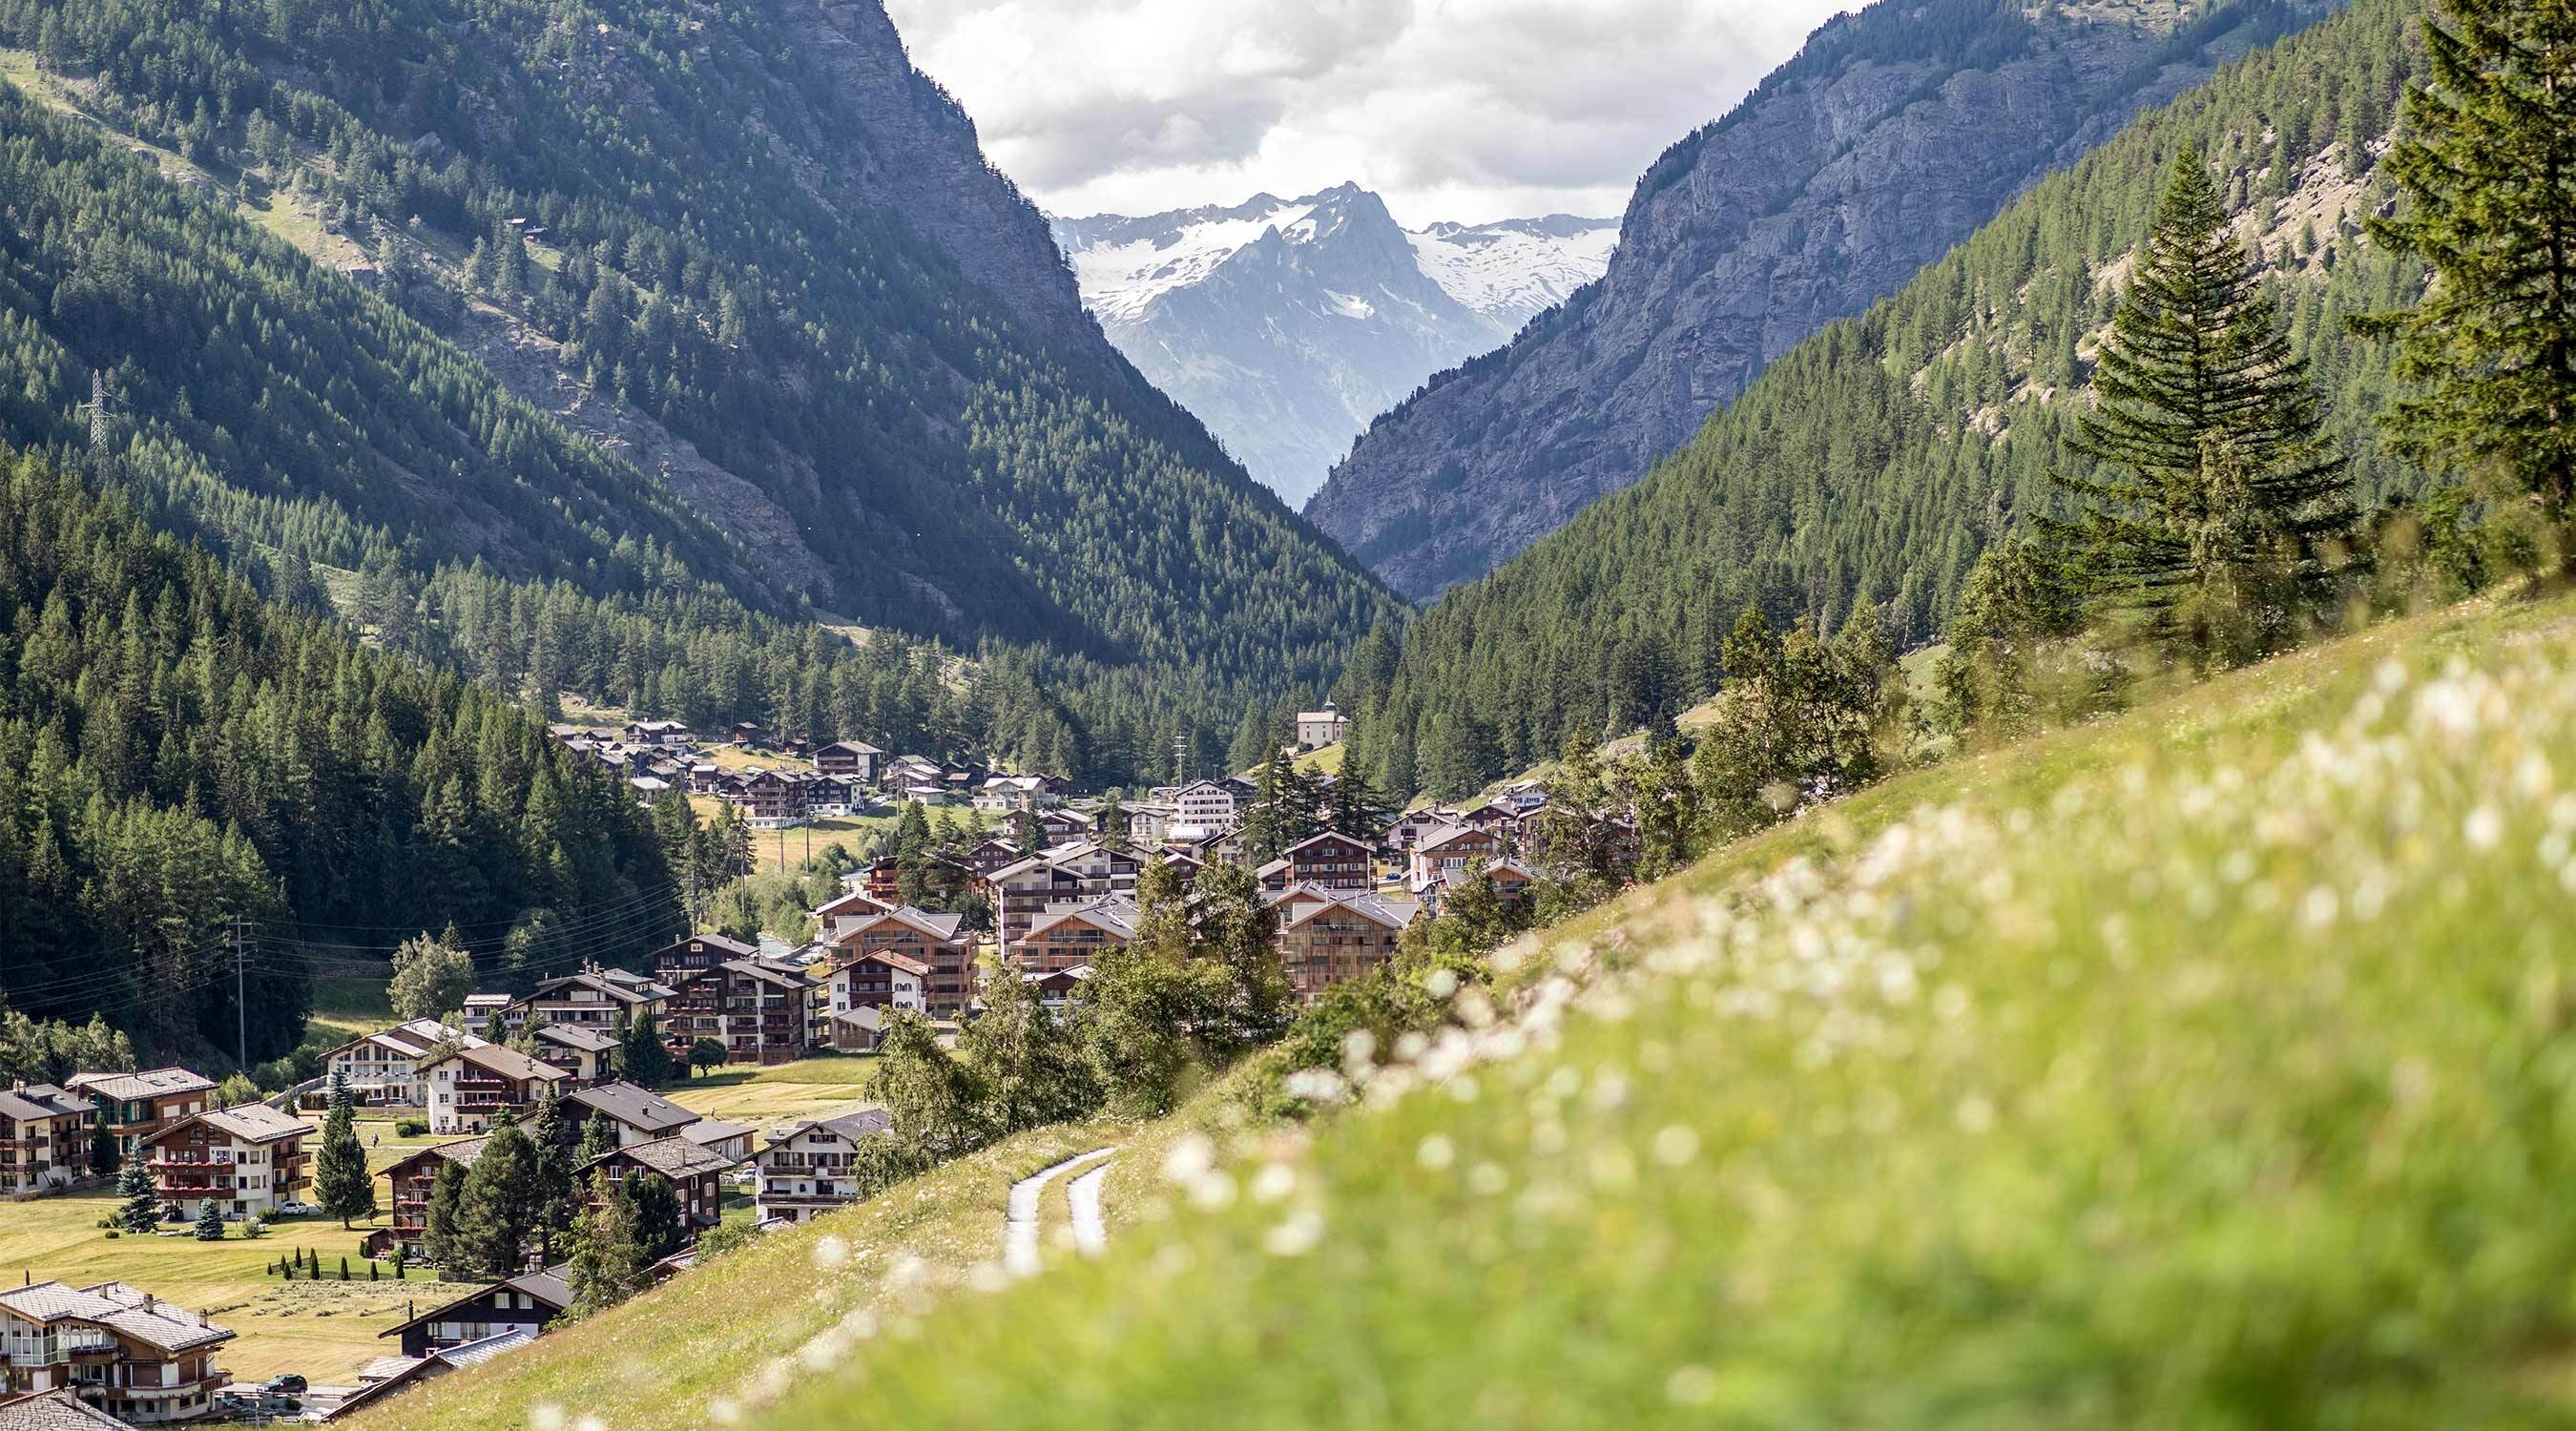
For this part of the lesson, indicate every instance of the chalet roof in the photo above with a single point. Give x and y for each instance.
(483, 1349)
(942, 927)
(129, 1311)
(406, 1040)
(629, 989)
(509, 1063)
(633, 1106)
(673, 1157)
(856, 901)
(1389, 911)
(1117, 916)
(1277, 866)
(249, 1122)
(548, 1287)
(462, 1152)
(905, 962)
(60, 1409)
(853, 1125)
(154, 1083)
(717, 943)
(42, 1100)
(1074, 975)
(574, 1036)
(769, 973)
(1434, 839)
(1334, 837)
(854, 747)
(707, 1132)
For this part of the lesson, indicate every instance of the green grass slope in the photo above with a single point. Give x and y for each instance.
(2202, 1067)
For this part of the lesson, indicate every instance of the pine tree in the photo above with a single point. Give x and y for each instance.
(141, 1210)
(2215, 486)
(210, 1223)
(440, 1234)
(498, 1209)
(607, 1262)
(2488, 170)
(554, 1168)
(660, 1227)
(644, 1058)
(340, 1177)
(598, 1140)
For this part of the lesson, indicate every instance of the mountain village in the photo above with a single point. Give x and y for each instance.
(163, 1150)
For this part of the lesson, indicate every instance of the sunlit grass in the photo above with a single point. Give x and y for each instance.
(2202, 1067)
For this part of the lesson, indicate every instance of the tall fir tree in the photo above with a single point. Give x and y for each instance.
(2217, 498)
(141, 1209)
(2487, 167)
(498, 1211)
(607, 1261)
(341, 1181)
(439, 1238)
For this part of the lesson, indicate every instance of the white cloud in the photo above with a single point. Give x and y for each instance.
(1453, 109)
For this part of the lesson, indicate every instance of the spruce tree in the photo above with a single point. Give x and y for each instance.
(2215, 487)
(607, 1264)
(498, 1206)
(440, 1240)
(646, 1061)
(340, 1177)
(141, 1210)
(2488, 171)
(660, 1227)
(554, 1168)
(210, 1223)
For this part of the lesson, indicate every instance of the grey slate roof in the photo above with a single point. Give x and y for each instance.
(673, 1158)
(636, 1107)
(56, 1410)
(152, 1083)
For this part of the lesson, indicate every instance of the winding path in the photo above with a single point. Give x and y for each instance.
(1020, 1220)
(1090, 1234)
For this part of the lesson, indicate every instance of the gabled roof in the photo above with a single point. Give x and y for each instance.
(1116, 916)
(509, 1063)
(942, 927)
(41, 1101)
(905, 962)
(855, 902)
(854, 747)
(628, 989)
(574, 1036)
(461, 1152)
(60, 1409)
(1434, 839)
(634, 1106)
(1328, 837)
(1389, 911)
(249, 1122)
(717, 943)
(673, 1157)
(130, 1311)
(153, 1083)
(707, 1132)
(853, 1125)
(407, 1040)
(548, 1287)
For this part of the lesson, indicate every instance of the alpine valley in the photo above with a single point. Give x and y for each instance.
(1286, 324)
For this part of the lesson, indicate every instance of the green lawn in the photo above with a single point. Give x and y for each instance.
(765, 1098)
(325, 1330)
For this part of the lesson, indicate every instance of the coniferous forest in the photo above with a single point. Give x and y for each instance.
(179, 754)
(1876, 462)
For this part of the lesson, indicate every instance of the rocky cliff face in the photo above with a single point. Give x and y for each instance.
(1892, 136)
(1286, 324)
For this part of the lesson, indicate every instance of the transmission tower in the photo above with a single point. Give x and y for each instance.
(97, 410)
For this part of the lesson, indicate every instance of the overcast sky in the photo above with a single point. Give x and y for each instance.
(1453, 109)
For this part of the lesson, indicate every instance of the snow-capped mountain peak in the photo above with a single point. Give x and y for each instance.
(1287, 324)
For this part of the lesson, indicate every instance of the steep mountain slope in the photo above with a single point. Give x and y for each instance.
(1876, 460)
(1889, 138)
(1285, 324)
(751, 247)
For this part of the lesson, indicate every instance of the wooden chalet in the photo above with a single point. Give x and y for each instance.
(134, 1106)
(695, 1174)
(532, 1300)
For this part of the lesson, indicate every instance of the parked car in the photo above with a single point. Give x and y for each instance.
(297, 1209)
(290, 1382)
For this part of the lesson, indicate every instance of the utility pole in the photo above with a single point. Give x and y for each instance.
(241, 1009)
(97, 406)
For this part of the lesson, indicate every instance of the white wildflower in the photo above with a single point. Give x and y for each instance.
(1273, 1183)
(1436, 1152)
(1676, 1145)
(832, 1252)
(1297, 1236)
(2483, 829)
(1189, 1159)
(1691, 1386)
